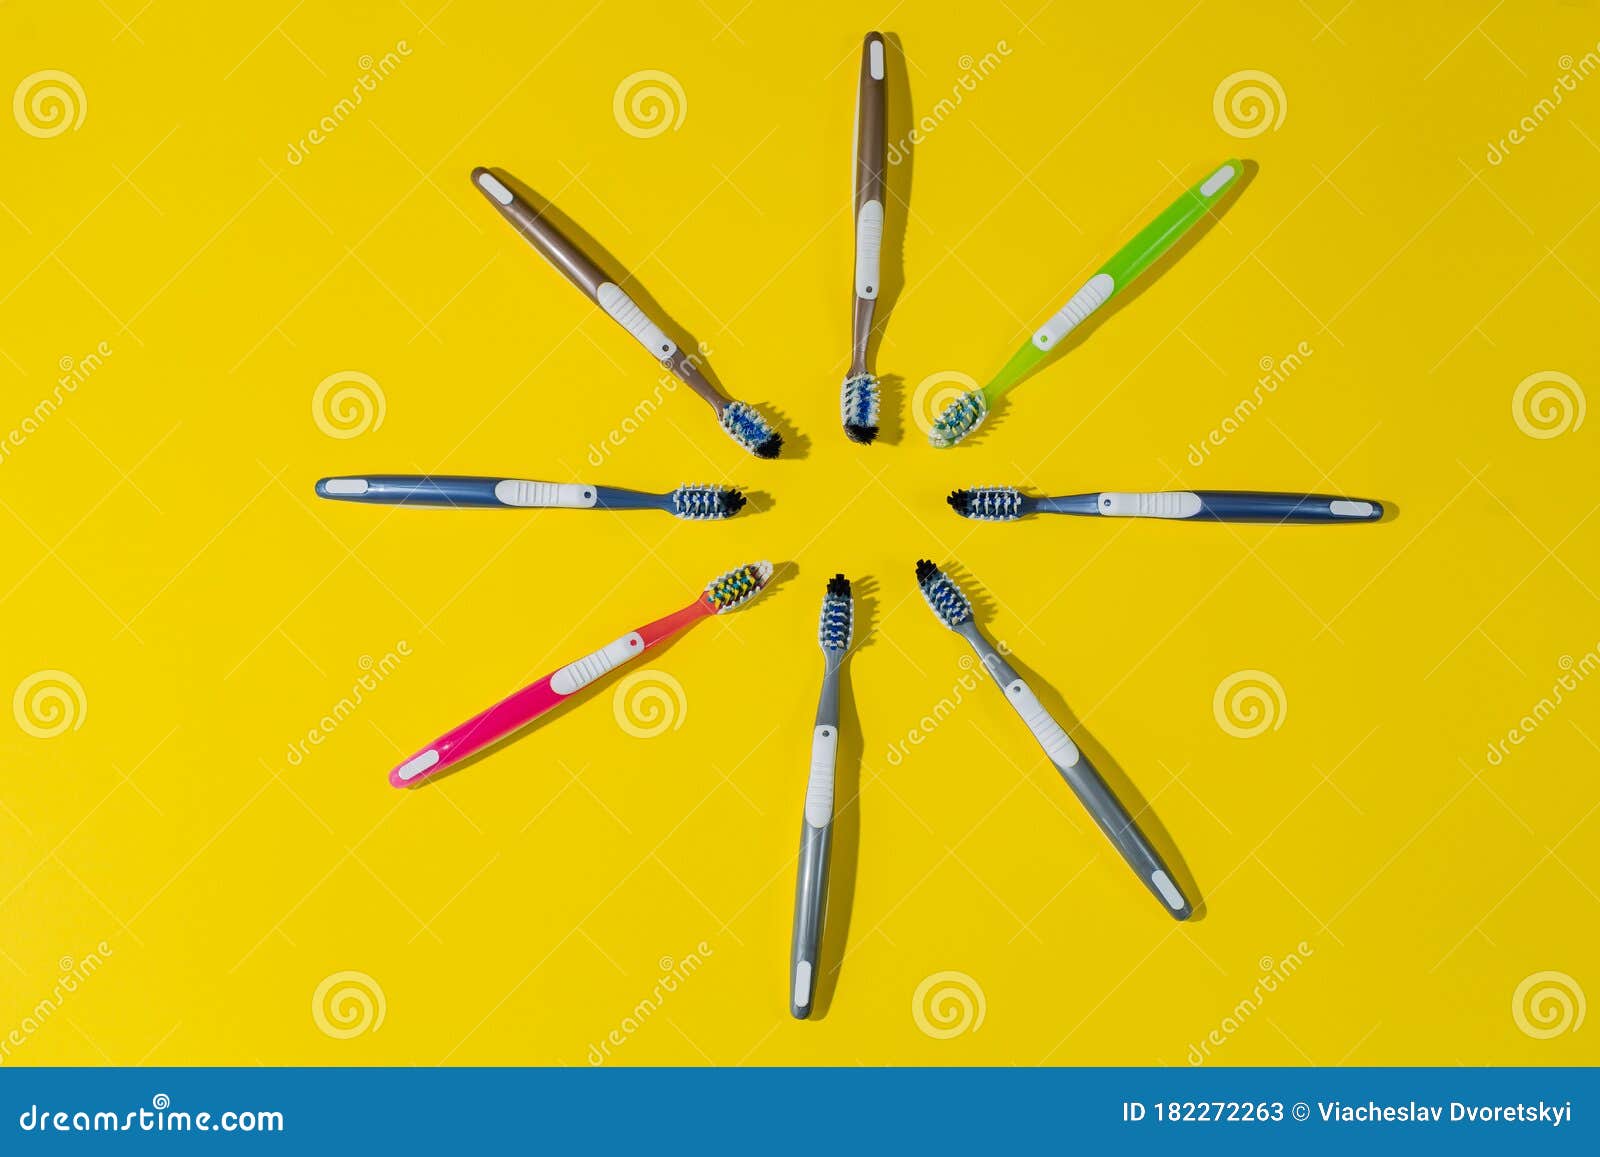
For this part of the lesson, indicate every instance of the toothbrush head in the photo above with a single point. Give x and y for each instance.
(703, 502)
(858, 407)
(733, 590)
(958, 419)
(748, 428)
(988, 503)
(942, 595)
(838, 616)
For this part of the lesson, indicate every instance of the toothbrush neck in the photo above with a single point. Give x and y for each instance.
(664, 628)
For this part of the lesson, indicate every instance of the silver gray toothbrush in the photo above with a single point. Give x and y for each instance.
(816, 828)
(955, 611)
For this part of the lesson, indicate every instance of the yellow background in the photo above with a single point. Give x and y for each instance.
(164, 548)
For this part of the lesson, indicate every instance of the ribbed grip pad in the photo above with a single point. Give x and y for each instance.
(1055, 741)
(633, 319)
(1080, 305)
(869, 248)
(523, 492)
(819, 788)
(1150, 504)
(586, 670)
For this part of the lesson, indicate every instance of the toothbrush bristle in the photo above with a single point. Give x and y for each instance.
(748, 428)
(958, 419)
(838, 615)
(732, 590)
(707, 501)
(858, 407)
(988, 503)
(942, 595)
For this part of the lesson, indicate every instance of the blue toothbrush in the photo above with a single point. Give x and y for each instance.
(697, 502)
(1005, 504)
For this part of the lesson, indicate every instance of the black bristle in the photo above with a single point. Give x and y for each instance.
(960, 501)
(839, 585)
(862, 434)
(925, 570)
(733, 501)
(769, 448)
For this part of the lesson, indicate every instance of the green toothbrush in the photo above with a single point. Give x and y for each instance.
(964, 415)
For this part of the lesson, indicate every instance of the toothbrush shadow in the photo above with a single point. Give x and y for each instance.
(618, 272)
(1123, 787)
(846, 855)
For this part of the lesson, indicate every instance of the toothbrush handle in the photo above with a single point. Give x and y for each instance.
(1235, 506)
(455, 490)
(816, 847)
(523, 707)
(1092, 791)
(580, 269)
(870, 186)
(1147, 246)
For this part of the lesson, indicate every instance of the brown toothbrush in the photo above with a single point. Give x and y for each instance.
(739, 419)
(858, 397)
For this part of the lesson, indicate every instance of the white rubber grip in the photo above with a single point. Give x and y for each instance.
(869, 248)
(1080, 305)
(819, 788)
(633, 319)
(1151, 504)
(586, 670)
(1055, 741)
(521, 492)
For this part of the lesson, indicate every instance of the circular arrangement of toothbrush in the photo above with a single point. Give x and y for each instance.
(859, 414)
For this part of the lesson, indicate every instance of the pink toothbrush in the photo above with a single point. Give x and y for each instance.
(725, 593)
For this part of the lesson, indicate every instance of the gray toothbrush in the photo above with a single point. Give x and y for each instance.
(816, 829)
(955, 611)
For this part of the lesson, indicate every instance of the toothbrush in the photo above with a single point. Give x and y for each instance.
(1005, 504)
(721, 595)
(966, 413)
(816, 829)
(858, 397)
(738, 419)
(951, 607)
(697, 502)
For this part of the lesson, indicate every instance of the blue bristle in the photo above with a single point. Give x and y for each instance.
(943, 597)
(706, 502)
(838, 616)
(858, 407)
(750, 430)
